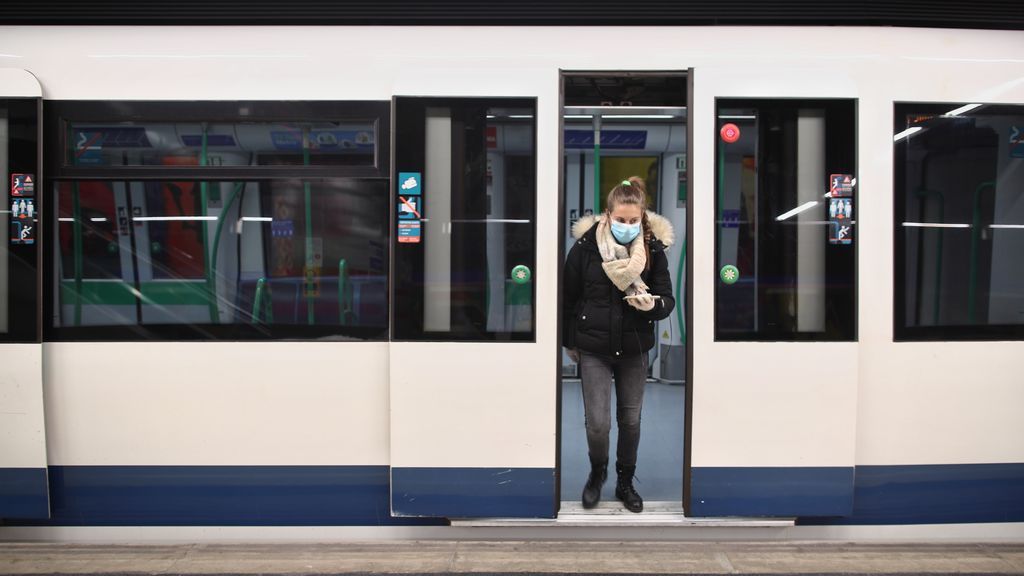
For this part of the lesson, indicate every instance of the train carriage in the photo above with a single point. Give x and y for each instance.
(311, 276)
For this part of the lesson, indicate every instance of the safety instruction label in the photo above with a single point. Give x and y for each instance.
(840, 214)
(23, 185)
(409, 232)
(841, 185)
(410, 207)
(840, 208)
(23, 221)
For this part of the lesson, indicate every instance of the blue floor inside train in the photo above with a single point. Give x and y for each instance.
(659, 460)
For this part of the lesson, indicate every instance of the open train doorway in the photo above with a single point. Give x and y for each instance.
(616, 126)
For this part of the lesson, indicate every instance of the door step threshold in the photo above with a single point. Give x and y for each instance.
(655, 514)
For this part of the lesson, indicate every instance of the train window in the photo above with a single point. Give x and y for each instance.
(272, 254)
(465, 198)
(158, 235)
(959, 221)
(785, 261)
(221, 144)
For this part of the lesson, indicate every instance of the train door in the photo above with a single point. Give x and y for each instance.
(775, 301)
(472, 308)
(23, 463)
(615, 126)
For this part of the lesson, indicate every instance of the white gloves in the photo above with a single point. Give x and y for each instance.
(642, 302)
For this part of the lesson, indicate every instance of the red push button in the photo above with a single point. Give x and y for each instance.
(730, 132)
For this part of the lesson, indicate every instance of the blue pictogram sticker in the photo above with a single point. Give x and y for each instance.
(1016, 142)
(409, 184)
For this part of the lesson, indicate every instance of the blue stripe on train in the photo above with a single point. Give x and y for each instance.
(474, 492)
(936, 494)
(804, 491)
(23, 493)
(359, 495)
(220, 495)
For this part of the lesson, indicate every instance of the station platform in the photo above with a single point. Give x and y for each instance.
(513, 557)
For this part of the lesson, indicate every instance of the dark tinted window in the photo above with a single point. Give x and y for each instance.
(465, 199)
(959, 187)
(785, 217)
(19, 254)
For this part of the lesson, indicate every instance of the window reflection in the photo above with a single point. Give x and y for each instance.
(960, 220)
(785, 220)
(225, 144)
(466, 240)
(269, 253)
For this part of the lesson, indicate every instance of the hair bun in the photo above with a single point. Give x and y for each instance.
(639, 183)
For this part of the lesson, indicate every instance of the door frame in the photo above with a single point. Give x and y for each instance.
(688, 292)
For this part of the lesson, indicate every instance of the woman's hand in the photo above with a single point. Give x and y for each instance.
(574, 354)
(642, 302)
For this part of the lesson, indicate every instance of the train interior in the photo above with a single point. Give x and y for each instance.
(221, 252)
(616, 127)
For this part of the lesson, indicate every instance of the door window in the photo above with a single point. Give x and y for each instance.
(19, 256)
(465, 211)
(785, 219)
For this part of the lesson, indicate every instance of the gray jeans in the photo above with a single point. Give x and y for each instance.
(630, 373)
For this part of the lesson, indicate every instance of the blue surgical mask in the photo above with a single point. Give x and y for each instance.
(625, 233)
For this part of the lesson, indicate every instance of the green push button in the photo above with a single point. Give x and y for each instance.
(520, 274)
(729, 274)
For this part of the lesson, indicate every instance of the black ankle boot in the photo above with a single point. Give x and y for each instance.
(624, 490)
(592, 491)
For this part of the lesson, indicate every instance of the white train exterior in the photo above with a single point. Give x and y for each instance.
(393, 432)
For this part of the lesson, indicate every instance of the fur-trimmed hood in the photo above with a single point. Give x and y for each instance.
(660, 226)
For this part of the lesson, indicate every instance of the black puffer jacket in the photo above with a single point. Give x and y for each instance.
(595, 318)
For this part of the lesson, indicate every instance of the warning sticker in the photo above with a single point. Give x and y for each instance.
(409, 232)
(23, 221)
(841, 185)
(410, 207)
(23, 185)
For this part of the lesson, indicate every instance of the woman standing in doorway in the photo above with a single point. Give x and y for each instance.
(617, 286)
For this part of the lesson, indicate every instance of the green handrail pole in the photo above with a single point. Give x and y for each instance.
(310, 312)
(76, 207)
(342, 291)
(257, 300)
(268, 304)
(204, 193)
(597, 163)
(263, 303)
(220, 224)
